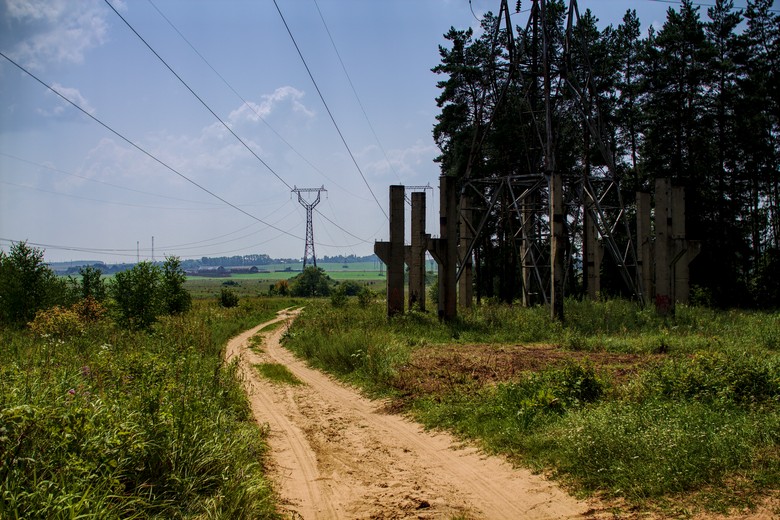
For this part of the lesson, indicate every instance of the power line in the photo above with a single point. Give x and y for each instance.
(327, 109)
(91, 199)
(197, 96)
(39, 165)
(354, 91)
(247, 104)
(362, 240)
(140, 149)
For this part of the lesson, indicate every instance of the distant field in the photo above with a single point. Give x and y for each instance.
(367, 273)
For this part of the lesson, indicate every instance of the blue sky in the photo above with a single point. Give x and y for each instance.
(69, 183)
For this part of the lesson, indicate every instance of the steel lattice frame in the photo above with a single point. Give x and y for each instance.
(309, 205)
(527, 194)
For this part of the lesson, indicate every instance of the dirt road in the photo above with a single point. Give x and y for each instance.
(336, 455)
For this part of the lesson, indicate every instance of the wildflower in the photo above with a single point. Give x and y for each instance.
(72, 391)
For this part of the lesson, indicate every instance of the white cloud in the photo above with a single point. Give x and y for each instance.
(253, 112)
(73, 95)
(57, 31)
(409, 163)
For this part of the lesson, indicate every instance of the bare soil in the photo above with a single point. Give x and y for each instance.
(336, 454)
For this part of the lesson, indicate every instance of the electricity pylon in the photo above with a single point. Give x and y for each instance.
(309, 205)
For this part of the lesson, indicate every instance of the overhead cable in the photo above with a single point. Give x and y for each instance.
(247, 104)
(197, 96)
(354, 91)
(90, 179)
(142, 150)
(327, 109)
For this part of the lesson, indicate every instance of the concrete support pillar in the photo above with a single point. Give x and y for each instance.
(663, 279)
(592, 256)
(466, 281)
(644, 246)
(392, 253)
(556, 246)
(415, 257)
(684, 250)
(445, 249)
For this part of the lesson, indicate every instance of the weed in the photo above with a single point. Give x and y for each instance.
(277, 373)
(113, 423)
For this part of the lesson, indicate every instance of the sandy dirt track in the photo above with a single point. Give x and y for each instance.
(337, 455)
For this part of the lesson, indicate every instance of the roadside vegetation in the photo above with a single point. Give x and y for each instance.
(115, 402)
(667, 414)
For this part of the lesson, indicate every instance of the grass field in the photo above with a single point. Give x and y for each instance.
(667, 415)
(258, 284)
(111, 423)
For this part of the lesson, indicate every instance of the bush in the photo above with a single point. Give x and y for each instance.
(280, 288)
(228, 298)
(339, 297)
(27, 285)
(137, 295)
(145, 292)
(57, 322)
(351, 288)
(365, 297)
(92, 285)
(175, 298)
(714, 376)
(312, 282)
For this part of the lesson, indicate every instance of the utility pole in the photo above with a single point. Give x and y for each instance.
(309, 205)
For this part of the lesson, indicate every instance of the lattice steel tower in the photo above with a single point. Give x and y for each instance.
(540, 205)
(309, 205)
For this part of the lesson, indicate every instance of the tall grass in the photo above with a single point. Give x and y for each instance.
(701, 409)
(117, 424)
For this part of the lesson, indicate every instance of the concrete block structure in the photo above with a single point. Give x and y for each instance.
(392, 253)
(445, 248)
(415, 253)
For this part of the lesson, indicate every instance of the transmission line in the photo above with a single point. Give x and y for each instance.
(140, 149)
(39, 165)
(247, 104)
(197, 96)
(327, 109)
(354, 91)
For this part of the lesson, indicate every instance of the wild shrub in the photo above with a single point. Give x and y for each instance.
(27, 285)
(136, 295)
(175, 298)
(338, 297)
(228, 298)
(92, 284)
(714, 376)
(89, 310)
(57, 322)
(280, 288)
(312, 282)
(365, 297)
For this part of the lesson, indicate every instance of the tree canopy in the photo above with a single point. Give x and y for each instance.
(697, 101)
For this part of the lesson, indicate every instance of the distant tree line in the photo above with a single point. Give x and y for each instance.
(697, 101)
(220, 261)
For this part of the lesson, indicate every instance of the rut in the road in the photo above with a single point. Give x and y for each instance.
(336, 455)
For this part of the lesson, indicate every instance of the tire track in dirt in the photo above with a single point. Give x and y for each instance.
(336, 455)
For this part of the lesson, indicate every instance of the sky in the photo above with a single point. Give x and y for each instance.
(207, 169)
